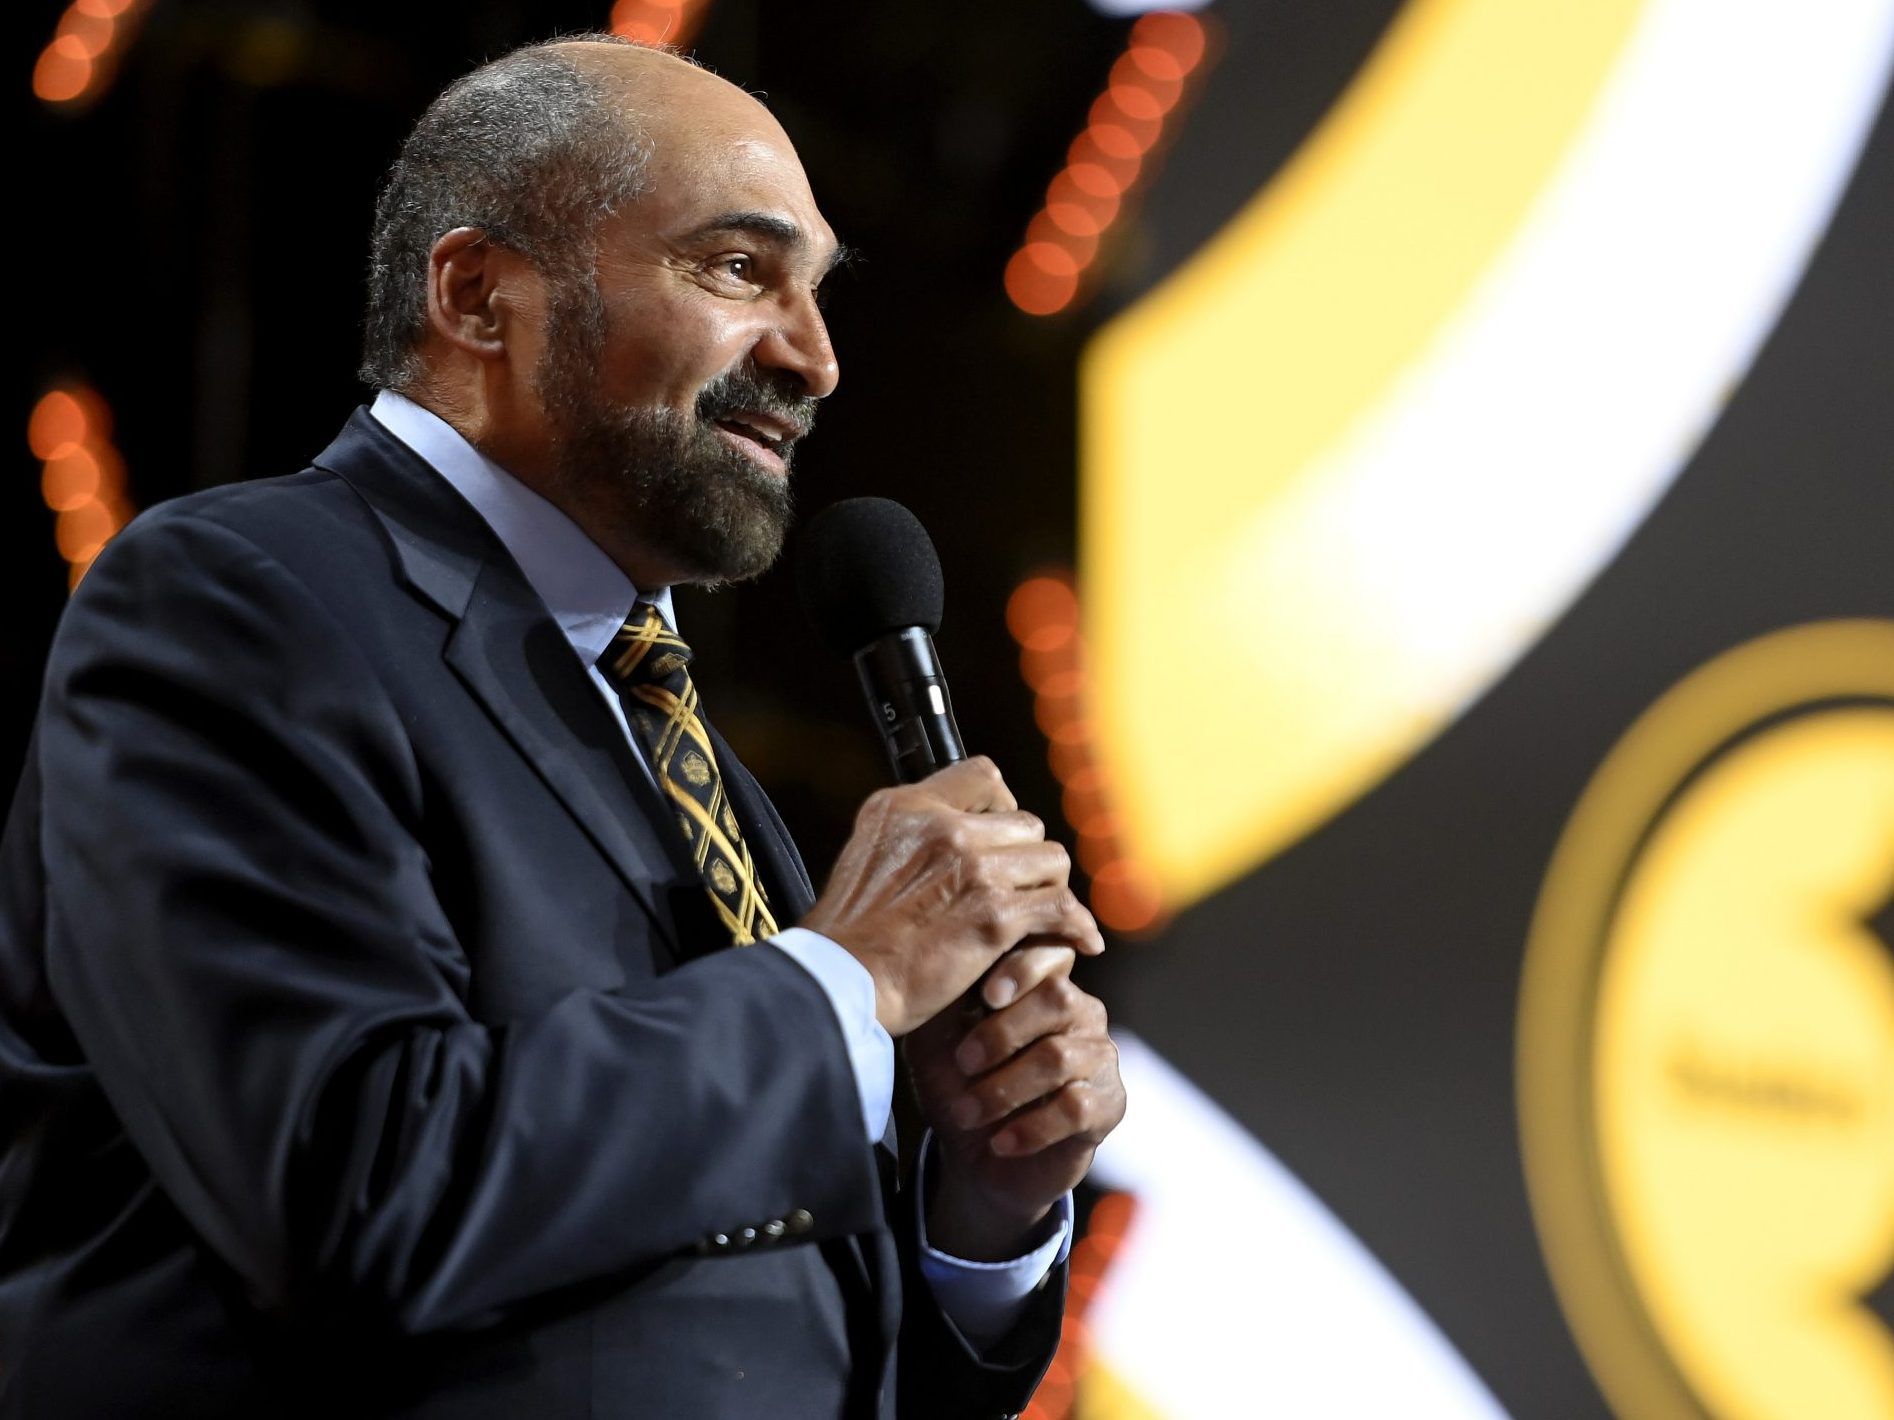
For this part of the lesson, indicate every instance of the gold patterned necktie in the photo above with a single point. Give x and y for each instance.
(649, 666)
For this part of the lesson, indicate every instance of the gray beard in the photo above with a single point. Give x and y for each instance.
(670, 480)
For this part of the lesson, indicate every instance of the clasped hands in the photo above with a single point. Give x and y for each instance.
(939, 881)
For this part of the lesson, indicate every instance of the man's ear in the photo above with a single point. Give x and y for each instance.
(472, 291)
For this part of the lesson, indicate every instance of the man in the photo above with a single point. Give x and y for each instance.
(401, 1014)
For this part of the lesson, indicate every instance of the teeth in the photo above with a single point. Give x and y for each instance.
(767, 440)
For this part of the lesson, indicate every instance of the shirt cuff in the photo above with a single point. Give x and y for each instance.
(851, 992)
(984, 1299)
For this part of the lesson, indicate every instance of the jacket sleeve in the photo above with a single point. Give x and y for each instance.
(244, 936)
(939, 1376)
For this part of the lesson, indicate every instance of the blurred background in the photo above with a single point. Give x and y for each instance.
(1415, 480)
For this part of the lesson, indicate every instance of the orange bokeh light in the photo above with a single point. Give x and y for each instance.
(1074, 220)
(1105, 160)
(1055, 717)
(1093, 180)
(57, 424)
(81, 531)
(1182, 36)
(1043, 659)
(1095, 853)
(1041, 645)
(1063, 684)
(1136, 102)
(1043, 616)
(1043, 229)
(90, 35)
(1113, 141)
(657, 21)
(1155, 64)
(1035, 290)
(1124, 897)
(1089, 817)
(83, 479)
(1037, 601)
(60, 76)
(1071, 732)
(1110, 147)
(1142, 130)
(1128, 73)
(71, 479)
(1067, 760)
(80, 60)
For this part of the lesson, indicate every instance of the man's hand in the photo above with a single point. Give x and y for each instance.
(1018, 1101)
(940, 878)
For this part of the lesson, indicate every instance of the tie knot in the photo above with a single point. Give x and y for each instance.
(645, 651)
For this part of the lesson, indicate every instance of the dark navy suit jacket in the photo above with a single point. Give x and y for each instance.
(363, 1048)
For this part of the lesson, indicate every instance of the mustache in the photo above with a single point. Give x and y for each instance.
(745, 390)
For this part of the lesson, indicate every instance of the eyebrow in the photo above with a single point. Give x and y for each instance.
(770, 227)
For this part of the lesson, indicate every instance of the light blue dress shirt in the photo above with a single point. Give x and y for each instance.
(589, 597)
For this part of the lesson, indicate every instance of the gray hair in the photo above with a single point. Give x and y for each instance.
(530, 149)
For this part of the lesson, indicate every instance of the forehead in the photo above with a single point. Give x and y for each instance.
(715, 150)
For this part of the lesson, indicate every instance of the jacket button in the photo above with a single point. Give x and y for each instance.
(799, 1221)
(720, 1241)
(745, 1237)
(773, 1229)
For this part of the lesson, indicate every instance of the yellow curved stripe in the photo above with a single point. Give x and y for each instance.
(1201, 405)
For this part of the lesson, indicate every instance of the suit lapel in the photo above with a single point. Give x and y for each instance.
(515, 662)
(518, 665)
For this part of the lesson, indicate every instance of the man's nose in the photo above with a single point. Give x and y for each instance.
(798, 344)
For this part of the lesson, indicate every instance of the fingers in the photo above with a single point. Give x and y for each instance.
(1046, 1071)
(974, 785)
(1037, 983)
(1003, 828)
(1082, 1110)
(1053, 911)
(1024, 970)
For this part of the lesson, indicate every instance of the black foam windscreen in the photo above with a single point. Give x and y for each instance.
(866, 567)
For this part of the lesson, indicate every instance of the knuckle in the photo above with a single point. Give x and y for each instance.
(989, 917)
(1074, 1104)
(1061, 1053)
(881, 808)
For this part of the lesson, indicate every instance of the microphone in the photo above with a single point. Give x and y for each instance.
(870, 582)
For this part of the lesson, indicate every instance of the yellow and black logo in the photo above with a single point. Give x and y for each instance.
(1706, 1042)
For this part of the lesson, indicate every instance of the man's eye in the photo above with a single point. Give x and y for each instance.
(740, 268)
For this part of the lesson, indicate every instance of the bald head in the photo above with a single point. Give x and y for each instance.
(533, 149)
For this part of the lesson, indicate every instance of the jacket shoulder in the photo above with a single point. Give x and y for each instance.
(313, 524)
(315, 505)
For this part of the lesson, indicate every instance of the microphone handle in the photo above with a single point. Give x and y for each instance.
(907, 696)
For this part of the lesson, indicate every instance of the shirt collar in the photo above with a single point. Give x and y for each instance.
(586, 592)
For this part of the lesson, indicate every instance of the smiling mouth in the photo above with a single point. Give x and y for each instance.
(765, 445)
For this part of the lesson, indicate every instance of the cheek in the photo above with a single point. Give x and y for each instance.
(665, 356)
